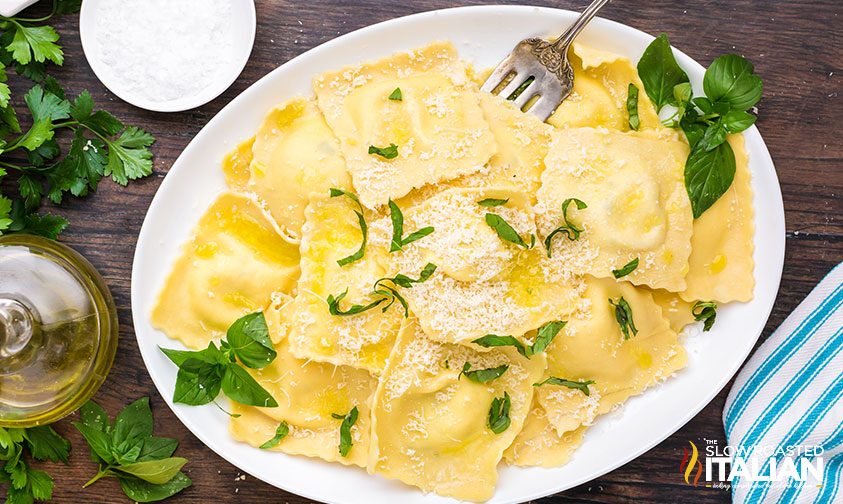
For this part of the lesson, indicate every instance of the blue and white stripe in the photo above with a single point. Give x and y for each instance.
(790, 393)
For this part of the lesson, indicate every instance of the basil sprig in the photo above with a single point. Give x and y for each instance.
(498, 420)
(582, 386)
(397, 218)
(623, 315)
(483, 375)
(567, 228)
(731, 89)
(348, 420)
(364, 229)
(507, 232)
(385, 290)
(202, 374)
(544, 337)
(705, 311)
(280, 433)
(626, 269)
(388, 152)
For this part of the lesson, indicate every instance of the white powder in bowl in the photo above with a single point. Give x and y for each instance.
(163, 50)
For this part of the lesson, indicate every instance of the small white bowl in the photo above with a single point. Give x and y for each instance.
(242, 22)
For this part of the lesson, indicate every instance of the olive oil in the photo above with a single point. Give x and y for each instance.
(58, 331)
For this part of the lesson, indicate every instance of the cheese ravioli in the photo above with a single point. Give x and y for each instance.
(437, 124)
(539, 443)
(235, 259)
(633, 184)
(430, 426)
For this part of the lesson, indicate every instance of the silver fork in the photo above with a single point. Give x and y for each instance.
(540, 68)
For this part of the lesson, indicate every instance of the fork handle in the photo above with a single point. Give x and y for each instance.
(561, 44)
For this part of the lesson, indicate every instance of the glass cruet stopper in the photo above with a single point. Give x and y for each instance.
(58, 330)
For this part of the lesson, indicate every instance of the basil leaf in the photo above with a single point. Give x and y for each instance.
(623, 315)
(239, 385)
(389, 152)
(141, 491)
(632, 107)
(568, 228)
(156, 448)
(483, 375)
(156, 472)
(708, 175)
(682, 93)
(361, 221)
(211, 355)
(505, 231)
(127, 451)
(197, 382)
(736, 121)
(133, 422)
(334, 305)
(545, 336)
(94, 416)
(714, 135)
(693, 128)
(280, 433)
(493, 340)
(731, 79)
(626, 269)
(397, 218)
(98, 441)
(348, 420)
(499, 414)
(705, 311)
(396, 95)
(582, 386)
(407, 282)
(249, 340)
(493, 202)
(660, 73)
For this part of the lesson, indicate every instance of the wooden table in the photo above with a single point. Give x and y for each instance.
(797, 47)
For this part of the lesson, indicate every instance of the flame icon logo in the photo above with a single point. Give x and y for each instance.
(691, 461)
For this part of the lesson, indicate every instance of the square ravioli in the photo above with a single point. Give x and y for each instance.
(592, 347)
(330, 233)
(539, 444)
(637, 207)
(483, 283)
(434, 121)
(431, 422)
(294, 155)
(235, 259)
(308, 393)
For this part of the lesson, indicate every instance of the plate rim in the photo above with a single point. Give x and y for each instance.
(777, 220)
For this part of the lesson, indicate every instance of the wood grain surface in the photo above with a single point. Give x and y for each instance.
(796, 45)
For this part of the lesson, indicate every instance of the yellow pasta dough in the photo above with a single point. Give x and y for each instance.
(294, 154)
(721, 264)
(633, 184)
(437, 125)
(539, 444)
(235, 165)
(234, 261)
(430, 425)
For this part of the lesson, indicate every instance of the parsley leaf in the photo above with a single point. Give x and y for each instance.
(33, 43)
(128, 155)
(499, 420)
(127, 450)
(507, 232)
(623, 315)
(348, 420)
(626, 269)
(397, 218)
(361, 220)
(27, 484)
(705, 311)
(660, 73)
(582, 386)
(568, 228)
(483, 375)
(203, 374)
(389, 152)
(280, 433)
(632, 107)
(396, 96)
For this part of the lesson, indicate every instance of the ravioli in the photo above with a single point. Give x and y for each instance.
(308, 393)
(592, 347)
(721, 264)
(235, 165)
(430, 425)
(601, 87)
(633, 184)
(295, 154)
(234, 261)
(331, 232)
(483, 284)
(437, 125)
(674, 308)
(539, 444)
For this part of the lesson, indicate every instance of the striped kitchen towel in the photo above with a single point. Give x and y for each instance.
(784, 414)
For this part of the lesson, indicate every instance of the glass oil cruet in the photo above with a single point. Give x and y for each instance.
(58, 331)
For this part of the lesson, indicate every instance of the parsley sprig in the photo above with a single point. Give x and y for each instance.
(97, 145)
(127, 450)
(567, 228)
(731, 89)
(202, 374)
(544, 337)
(25, 483)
